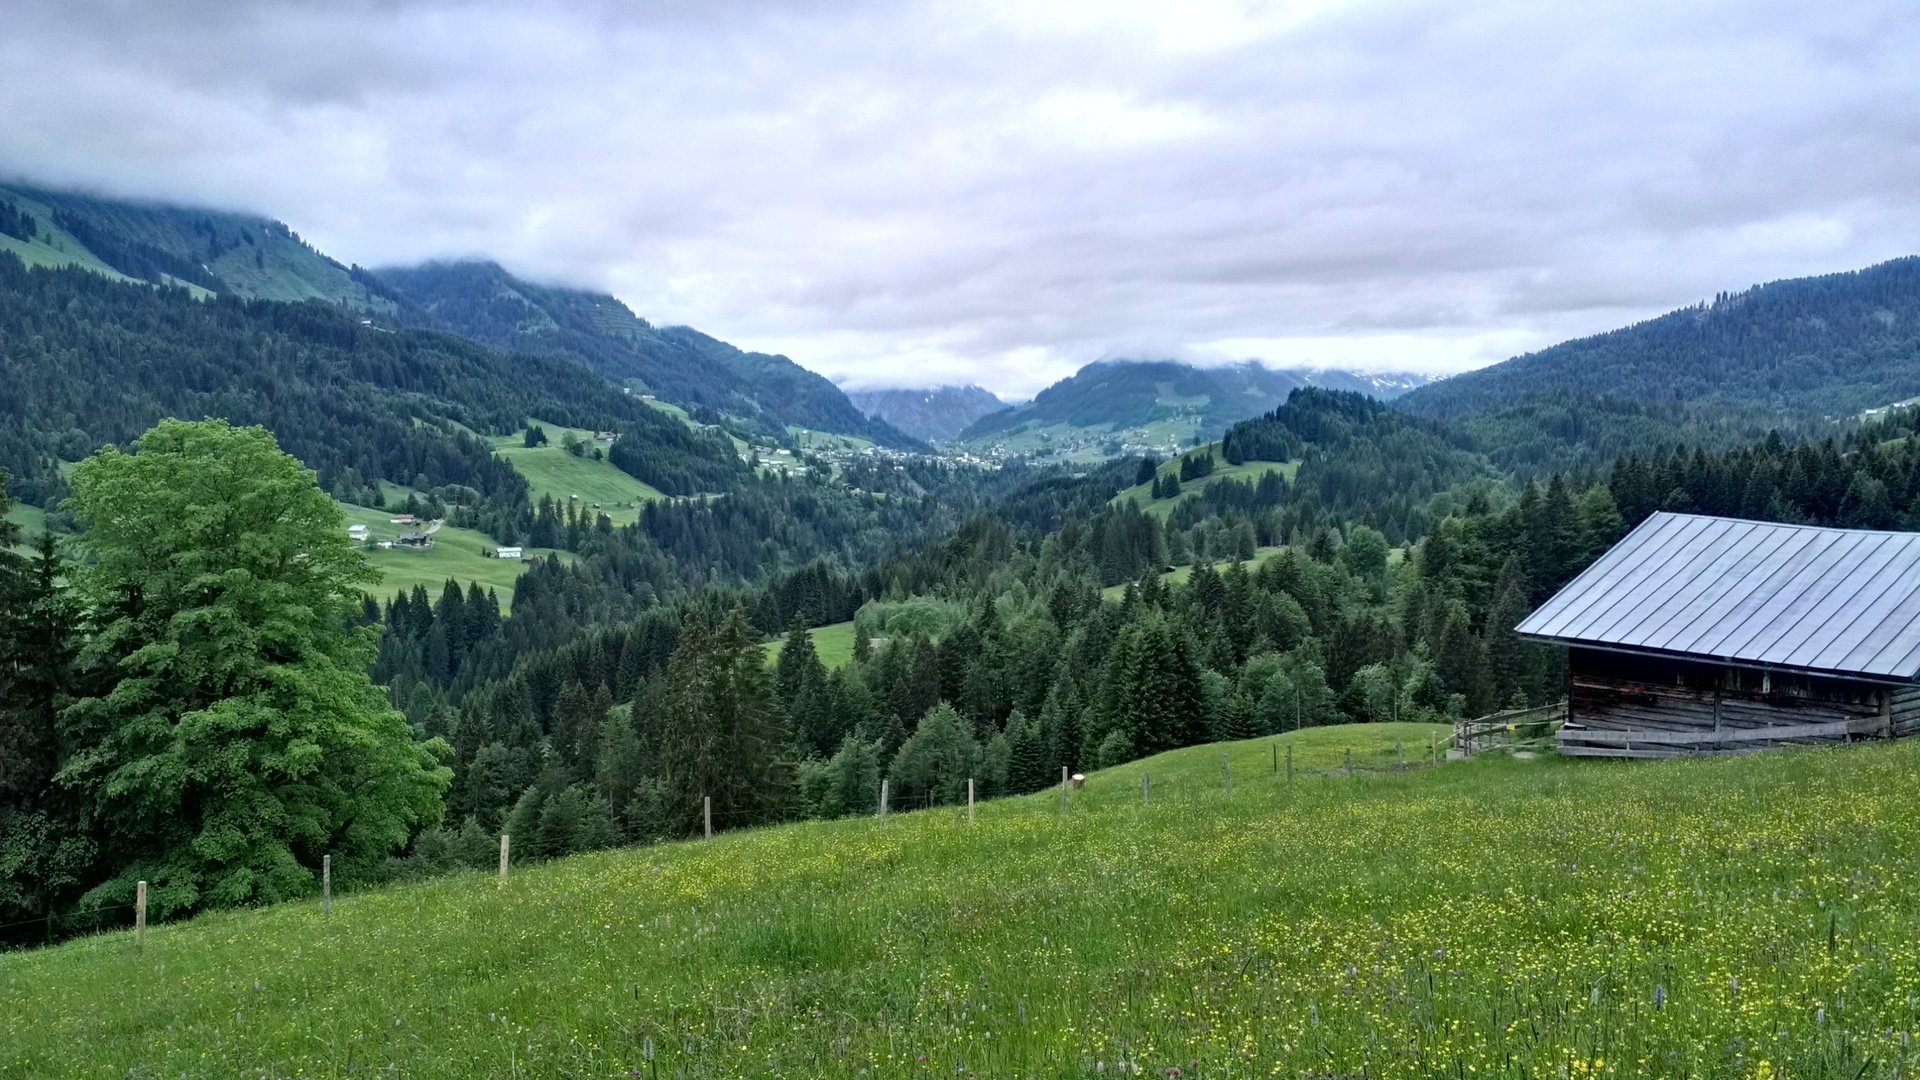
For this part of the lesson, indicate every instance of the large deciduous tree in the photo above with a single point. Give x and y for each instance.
(234, 737)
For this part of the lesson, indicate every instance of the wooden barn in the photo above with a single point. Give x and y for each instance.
(1704, 635)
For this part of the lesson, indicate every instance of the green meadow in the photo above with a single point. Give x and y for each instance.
(1742, 917)
(833, 642)
(1246, 471)
(551, 471)
(31, 521)
(1179, 575)
(457, 554)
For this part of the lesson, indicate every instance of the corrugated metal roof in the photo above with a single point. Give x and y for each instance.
(1838, 601)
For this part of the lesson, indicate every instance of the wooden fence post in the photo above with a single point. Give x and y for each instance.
(1146, 786)
(1276, 759)
(1063, 789)
(1349, 761)
(1226, 774)
(706, 815)
(883, 798)
(1433, 749)
(1399, 756)
(326, 884)
(140, 915)
(504, 843)
(969, 800)
(1289, 764)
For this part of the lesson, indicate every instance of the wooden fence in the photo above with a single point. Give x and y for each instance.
(1515, 729)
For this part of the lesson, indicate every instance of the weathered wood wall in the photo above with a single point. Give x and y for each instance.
(1621, 705)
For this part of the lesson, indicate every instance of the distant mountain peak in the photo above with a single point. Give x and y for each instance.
(933, 413)
(480, 299)
(1162, 400)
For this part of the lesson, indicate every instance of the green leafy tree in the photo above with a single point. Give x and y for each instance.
(936, 761)
(855, 770)
(235, 737)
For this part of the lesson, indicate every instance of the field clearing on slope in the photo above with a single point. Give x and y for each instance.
(1750, 917)
(1246, 471)
(1180, 575)
(832, 642)
(456, 553)
(549, 470)
(31, 520)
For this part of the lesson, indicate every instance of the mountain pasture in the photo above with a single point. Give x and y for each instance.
(1245, 472)
(1734, 917)
(832, 642)
(457, 554)
(552, 472)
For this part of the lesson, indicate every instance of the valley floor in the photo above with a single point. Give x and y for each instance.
(1745, 917)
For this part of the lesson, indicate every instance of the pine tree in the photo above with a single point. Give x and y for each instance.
(856, 777)
(1026, 755)
(559, 825)
(621, 765)
(1509, 659)
(724, 734)
(523, 825)
(798, 662)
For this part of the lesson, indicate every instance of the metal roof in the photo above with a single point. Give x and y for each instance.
(1833, 601)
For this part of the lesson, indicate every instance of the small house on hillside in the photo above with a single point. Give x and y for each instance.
(414, 540)
(1700, 634)
(401, 519)
(507, 553)
(357, 533)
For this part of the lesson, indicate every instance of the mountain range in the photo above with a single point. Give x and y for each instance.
(1826, 346)
(1833, 345)
(212, 252)
(938, 414)
(1164, 401)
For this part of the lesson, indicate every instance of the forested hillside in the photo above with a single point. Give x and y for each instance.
(484, 302)
(248, 256)
(241, 254)
(88, 361)
(1194, 402)
(1834, 345)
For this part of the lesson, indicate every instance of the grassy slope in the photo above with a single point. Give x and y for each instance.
(1251, 470)
(31, 519)
(1738, 917)
(55, 247)
(834, 643)
(810, 440)
(456, 554)
(739, 445)
(550, 470)
(1180, 574)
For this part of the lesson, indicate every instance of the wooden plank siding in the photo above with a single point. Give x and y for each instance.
(1640, 706)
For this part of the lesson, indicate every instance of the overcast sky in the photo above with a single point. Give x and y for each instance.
(998, 192)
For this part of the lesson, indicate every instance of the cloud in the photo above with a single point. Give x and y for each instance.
(999, 192)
